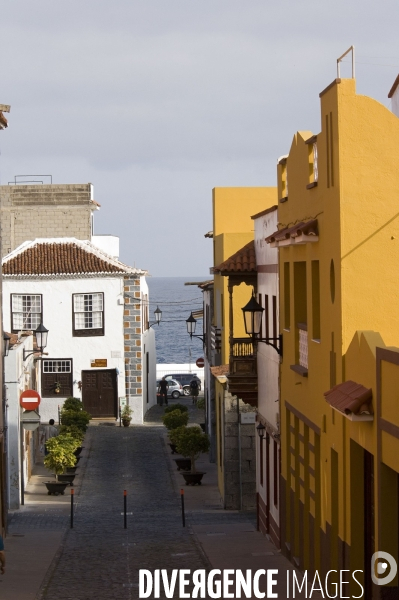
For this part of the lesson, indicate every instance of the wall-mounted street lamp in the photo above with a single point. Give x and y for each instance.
(253, 313)
(6, 340)
(41, 341)
(158, 317)
(191, 323)
(261, 430)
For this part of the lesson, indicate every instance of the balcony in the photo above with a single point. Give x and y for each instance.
(243, 378)
(302, 367)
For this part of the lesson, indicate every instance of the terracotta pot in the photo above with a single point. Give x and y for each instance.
(193, 478)
(126, 422)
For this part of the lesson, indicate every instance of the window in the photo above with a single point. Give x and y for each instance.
(57, 378)
(26, 311)
(88, 314)
(313, 162)
(315, 300)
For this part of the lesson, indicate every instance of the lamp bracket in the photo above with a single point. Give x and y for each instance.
(274, 342)
(27, 354)
(201, 337)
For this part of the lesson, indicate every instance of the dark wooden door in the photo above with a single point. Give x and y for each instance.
(99, 393)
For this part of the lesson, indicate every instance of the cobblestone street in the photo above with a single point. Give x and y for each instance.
(100, 559)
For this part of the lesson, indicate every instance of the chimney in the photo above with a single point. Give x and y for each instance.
(394, 95)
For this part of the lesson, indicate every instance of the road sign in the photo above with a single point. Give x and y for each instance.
(29, 399)
(200, 363)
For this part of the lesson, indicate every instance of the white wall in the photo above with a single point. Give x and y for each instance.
(268, 358)
(107, 243)
(57, 317)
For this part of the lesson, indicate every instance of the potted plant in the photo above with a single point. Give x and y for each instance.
(80, 418)
(182, 463)
(126, 415)
(57, 387)
(191, 443)
(177, 406)
(60, 456)
(78, 434)
(174, 419)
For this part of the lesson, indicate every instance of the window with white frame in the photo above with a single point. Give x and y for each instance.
(88, 314)
(26, 311)
(57, 366)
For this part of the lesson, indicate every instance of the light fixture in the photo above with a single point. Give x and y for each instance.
(158, 317)
(191, 323)
(6, 340)
(41, 341)
(253, 313)
(261, 430)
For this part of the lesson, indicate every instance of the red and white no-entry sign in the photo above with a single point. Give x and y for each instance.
(200, 363)
(29, 399)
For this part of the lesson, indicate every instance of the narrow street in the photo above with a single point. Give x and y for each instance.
(100, 559)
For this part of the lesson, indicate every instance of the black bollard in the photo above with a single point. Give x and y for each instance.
(183, 516)
(124, 508)
(72, 495)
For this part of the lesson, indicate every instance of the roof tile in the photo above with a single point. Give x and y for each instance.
(243, 261)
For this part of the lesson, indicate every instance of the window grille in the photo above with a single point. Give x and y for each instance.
(26, 311)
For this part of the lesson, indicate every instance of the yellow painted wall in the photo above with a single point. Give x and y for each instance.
(355, 202)
(233, 228)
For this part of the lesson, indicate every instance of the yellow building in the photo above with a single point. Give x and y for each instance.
(338, 243)
(232, 232)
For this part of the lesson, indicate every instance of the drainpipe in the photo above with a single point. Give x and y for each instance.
(239, 450)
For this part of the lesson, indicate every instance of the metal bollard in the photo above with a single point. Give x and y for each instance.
(124, 508)
(72, 496)
(183, 516)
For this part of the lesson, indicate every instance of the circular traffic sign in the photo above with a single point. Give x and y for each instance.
(29, 399)
(200, 363)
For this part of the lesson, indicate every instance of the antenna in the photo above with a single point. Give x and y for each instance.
(351, 49)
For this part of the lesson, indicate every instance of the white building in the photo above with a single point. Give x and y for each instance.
(100, 347)
(268, 365)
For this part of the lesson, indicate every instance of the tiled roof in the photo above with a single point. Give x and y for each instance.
(350, 397)
(3, 121)
(220, 370)
(308, 228)
(265, 212)
(393, 88)
(243, 261)
(62, 256)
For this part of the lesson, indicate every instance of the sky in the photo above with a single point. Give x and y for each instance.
(156, 102)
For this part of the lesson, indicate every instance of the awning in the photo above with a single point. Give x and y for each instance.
(301, 233)
(350, 398)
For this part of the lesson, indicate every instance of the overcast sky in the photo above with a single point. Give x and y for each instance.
(156, 102)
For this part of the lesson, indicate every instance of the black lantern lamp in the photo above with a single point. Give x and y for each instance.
(158, 317)
(252, 313)
(261, 430)
(41, 341)
(6, 340)
(191, 323)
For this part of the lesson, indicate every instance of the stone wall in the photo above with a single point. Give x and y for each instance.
(232, 494)
(132, 328)
(34, 211)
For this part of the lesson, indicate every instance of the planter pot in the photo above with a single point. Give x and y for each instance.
(183, 464)
(71, 470)
(78, 450)
(193, 478)
(77, 460)
(173, 448)
(126, 422)
(67, 478)
(55, 487)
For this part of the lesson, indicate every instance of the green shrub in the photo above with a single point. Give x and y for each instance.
(176, 406)
(126, 412)
(60, 453)
(78, 418)
(73, 404)
(174, 434)
(192, 443)
(73, 430)
(201, 403)
(174, 419)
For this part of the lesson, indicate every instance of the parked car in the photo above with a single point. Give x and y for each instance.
(184, 379)
(175, 388)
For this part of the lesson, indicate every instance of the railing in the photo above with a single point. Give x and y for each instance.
(242, 347)
(303, 345)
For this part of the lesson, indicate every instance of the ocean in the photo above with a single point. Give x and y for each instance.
(176, 301)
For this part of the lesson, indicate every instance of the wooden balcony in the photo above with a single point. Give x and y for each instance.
(243, 377)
